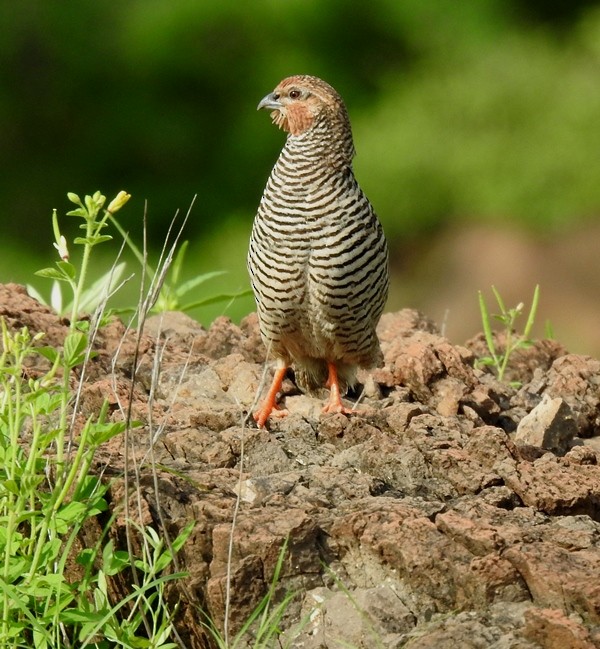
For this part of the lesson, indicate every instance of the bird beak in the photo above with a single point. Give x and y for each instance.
(269, 102)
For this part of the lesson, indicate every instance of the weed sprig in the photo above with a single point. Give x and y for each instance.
(499, 358)
(48, 492)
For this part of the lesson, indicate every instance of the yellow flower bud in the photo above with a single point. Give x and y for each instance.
(117, 203)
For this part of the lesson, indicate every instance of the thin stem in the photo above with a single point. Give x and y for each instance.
(14, 416)
(141, 257)
(507, 353)
(87, 249)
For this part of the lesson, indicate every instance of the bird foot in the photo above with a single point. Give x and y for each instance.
(262, 414)
(337, 408)
(335, 400)
(269, 407)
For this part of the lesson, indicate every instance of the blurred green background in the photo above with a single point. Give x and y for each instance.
(477, 126)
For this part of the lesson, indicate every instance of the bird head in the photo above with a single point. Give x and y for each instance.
(298, 101)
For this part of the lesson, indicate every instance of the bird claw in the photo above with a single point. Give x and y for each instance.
(279, 413)
(262, 414)
(337, 407)
(335, 400)
(269, 406)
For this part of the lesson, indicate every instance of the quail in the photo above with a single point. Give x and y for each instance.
(318, 258)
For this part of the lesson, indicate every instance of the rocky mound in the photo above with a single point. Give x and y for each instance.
(450, 511)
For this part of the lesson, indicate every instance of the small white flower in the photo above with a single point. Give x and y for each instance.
(63, 250)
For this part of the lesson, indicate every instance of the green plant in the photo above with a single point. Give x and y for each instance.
(261, 629)
(172, 291)
(499, 358)
(95, 218)
(105, 285)
(48, 492)
(144, 608)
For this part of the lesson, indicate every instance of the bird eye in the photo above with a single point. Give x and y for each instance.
(294, 94)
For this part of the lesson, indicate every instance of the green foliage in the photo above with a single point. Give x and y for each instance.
(498, 359)
(173, 289)
(46, 497)
(261, 629)
(473, 109)
(48, 492)
(499, 132)
(95, 220)
(126, 623)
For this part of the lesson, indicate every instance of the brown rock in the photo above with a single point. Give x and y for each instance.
(576, 379)
(552, 629)
(574, 587)
(467, 631)
(555, 485)
(176, 327)
(20, 310)
(382, 530)
(549, 425)
(224, 338)
(356, 619)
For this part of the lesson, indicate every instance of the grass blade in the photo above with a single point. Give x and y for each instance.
(499, 300)
(487, 328)
(532, 312)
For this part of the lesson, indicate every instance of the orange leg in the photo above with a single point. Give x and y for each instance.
(269, 404)
(335, 401)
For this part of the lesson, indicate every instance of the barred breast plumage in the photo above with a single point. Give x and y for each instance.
(318, 258)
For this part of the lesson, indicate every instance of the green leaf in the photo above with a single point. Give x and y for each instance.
(77, 616)
(100, 433)
(532, 312)
(178, 263)
(499, 299)
(183, 536)
(50, 551)
(113, 562)
(162, 561)
(196, 281)
(12, 594)
(48, 352)
(74, 348)
(71, 513)
(11, 486)
(214, 300)
(93, 240)
(163, 636)
(80, 211)
(67, 268)
(89, 486)
(52, 273)
(86, 558)
(487, 328)
(104, 285)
